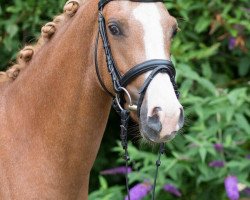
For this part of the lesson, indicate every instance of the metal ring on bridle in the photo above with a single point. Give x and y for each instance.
(131, 106)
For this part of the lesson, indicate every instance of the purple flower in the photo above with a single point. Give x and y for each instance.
(139, 191)
(231, 43)
(231, 187)
(248, 156)
(117, 170)
(172, 190)
(218, 147)
(216, 163)
(246, 191)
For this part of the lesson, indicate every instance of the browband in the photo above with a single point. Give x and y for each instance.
(102, 3)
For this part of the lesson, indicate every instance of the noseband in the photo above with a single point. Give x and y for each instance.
(155, 66)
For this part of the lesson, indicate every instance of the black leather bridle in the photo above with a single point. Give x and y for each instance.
(120, 82)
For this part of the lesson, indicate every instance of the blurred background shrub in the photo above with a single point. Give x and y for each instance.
(210, 158)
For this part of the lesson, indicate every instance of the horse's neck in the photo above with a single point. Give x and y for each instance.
(55, 112)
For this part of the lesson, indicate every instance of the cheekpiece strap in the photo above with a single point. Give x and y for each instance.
(102, 3)
(114, 72)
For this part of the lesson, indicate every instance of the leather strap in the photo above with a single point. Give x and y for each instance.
(145, 67)
(97, 68)
(102, 3)
(114, 72)
(142, 92)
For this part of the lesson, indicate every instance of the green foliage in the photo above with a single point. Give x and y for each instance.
(106, 193)
(21, 22)
(214, 84)
(211, 54)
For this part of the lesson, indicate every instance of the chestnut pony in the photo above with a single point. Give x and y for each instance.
(53, 110)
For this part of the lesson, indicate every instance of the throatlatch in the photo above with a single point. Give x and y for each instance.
(155, 66)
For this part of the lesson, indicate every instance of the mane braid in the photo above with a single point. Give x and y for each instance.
(48, 30)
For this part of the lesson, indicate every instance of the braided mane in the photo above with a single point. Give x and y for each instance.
(48, 30)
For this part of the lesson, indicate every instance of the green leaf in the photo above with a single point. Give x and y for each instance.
(207, 85)
(244, 66)
(243, 123)
(206, 70)
(203, 153)
(235, 95)
(186, 87)
(103, 182)
(12, 29)
(202, 24)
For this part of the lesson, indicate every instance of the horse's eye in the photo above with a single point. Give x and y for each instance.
(114, 29)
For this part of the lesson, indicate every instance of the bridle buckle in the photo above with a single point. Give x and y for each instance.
(133, 107)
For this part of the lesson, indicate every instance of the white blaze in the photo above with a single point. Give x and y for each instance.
(160, 92)
(149, 16)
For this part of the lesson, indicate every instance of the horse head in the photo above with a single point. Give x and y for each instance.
(138, 36)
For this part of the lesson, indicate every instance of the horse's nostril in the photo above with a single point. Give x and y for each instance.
(154, 123)
(156, 110)
(181, 119)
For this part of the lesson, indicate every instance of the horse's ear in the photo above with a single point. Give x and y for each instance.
(71, 7)
(48, 30)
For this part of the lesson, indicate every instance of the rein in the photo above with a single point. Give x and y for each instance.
(120, 82)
